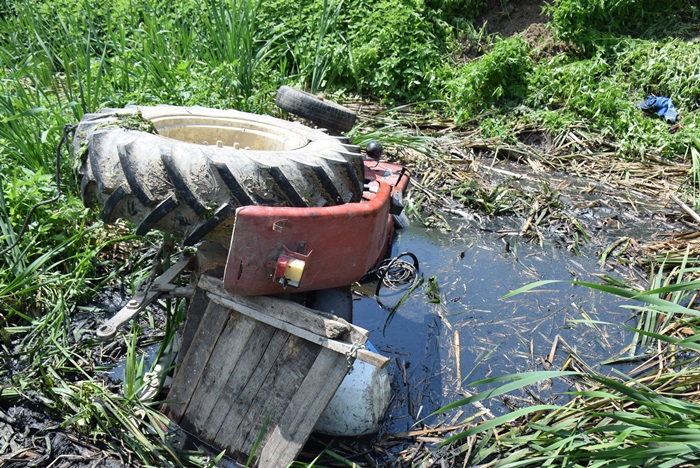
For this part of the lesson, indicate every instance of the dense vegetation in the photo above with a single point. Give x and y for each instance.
(60, 59)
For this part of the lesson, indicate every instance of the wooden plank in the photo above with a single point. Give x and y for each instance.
(255, 363)
(320, 323)
(222, 362)
(195, 311)
(337, 346)
(286, 376)
(291, 312)
(289, 435)
(195, 361)
(249, 361)
(244, 364)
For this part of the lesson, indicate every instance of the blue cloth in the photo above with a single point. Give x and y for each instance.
(662, 106)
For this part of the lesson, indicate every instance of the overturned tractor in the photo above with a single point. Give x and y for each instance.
(273, 208)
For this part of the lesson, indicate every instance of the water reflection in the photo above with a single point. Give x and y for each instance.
(438, 348)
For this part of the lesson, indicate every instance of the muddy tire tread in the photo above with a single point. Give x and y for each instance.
(191, 190)
(323, 113)
(159, 212)
(132, 176)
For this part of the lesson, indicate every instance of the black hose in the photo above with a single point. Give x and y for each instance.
(67, 129)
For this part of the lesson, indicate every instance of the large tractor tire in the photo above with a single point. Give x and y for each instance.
(325, 114)
(185, 170)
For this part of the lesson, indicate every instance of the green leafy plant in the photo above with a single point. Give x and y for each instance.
(134, 367)
(594, 23)
(321, 63)
(395, 51)
(23, 128)
(498, 78)
(239, 44)
(457, 10)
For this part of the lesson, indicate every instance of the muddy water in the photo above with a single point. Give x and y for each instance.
(439, 345)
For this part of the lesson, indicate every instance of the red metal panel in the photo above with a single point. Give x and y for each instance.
(338, 244)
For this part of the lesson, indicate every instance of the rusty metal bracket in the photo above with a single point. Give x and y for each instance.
(161, 286)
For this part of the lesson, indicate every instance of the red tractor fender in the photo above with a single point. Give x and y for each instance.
(285, 249)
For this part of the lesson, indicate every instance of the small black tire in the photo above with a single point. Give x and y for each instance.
(176, 182)
(325, 114)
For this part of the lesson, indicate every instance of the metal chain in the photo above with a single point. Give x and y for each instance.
(351, 355)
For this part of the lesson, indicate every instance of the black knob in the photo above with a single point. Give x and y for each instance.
(374, 149)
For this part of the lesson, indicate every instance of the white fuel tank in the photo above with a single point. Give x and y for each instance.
(360, 403)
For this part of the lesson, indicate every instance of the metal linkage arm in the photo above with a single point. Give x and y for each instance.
(161, 286)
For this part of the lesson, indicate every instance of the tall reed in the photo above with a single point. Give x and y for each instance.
(647, 417)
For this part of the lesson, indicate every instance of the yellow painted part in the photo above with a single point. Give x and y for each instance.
(294, 270)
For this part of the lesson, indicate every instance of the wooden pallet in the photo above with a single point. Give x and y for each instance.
(259, 370)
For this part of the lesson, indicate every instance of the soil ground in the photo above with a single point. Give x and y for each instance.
(524, 18)
(512, 17)
(35, 438)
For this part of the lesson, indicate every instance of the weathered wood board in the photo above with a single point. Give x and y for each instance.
(259, 368)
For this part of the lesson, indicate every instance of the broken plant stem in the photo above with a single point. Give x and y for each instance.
(686, 208)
